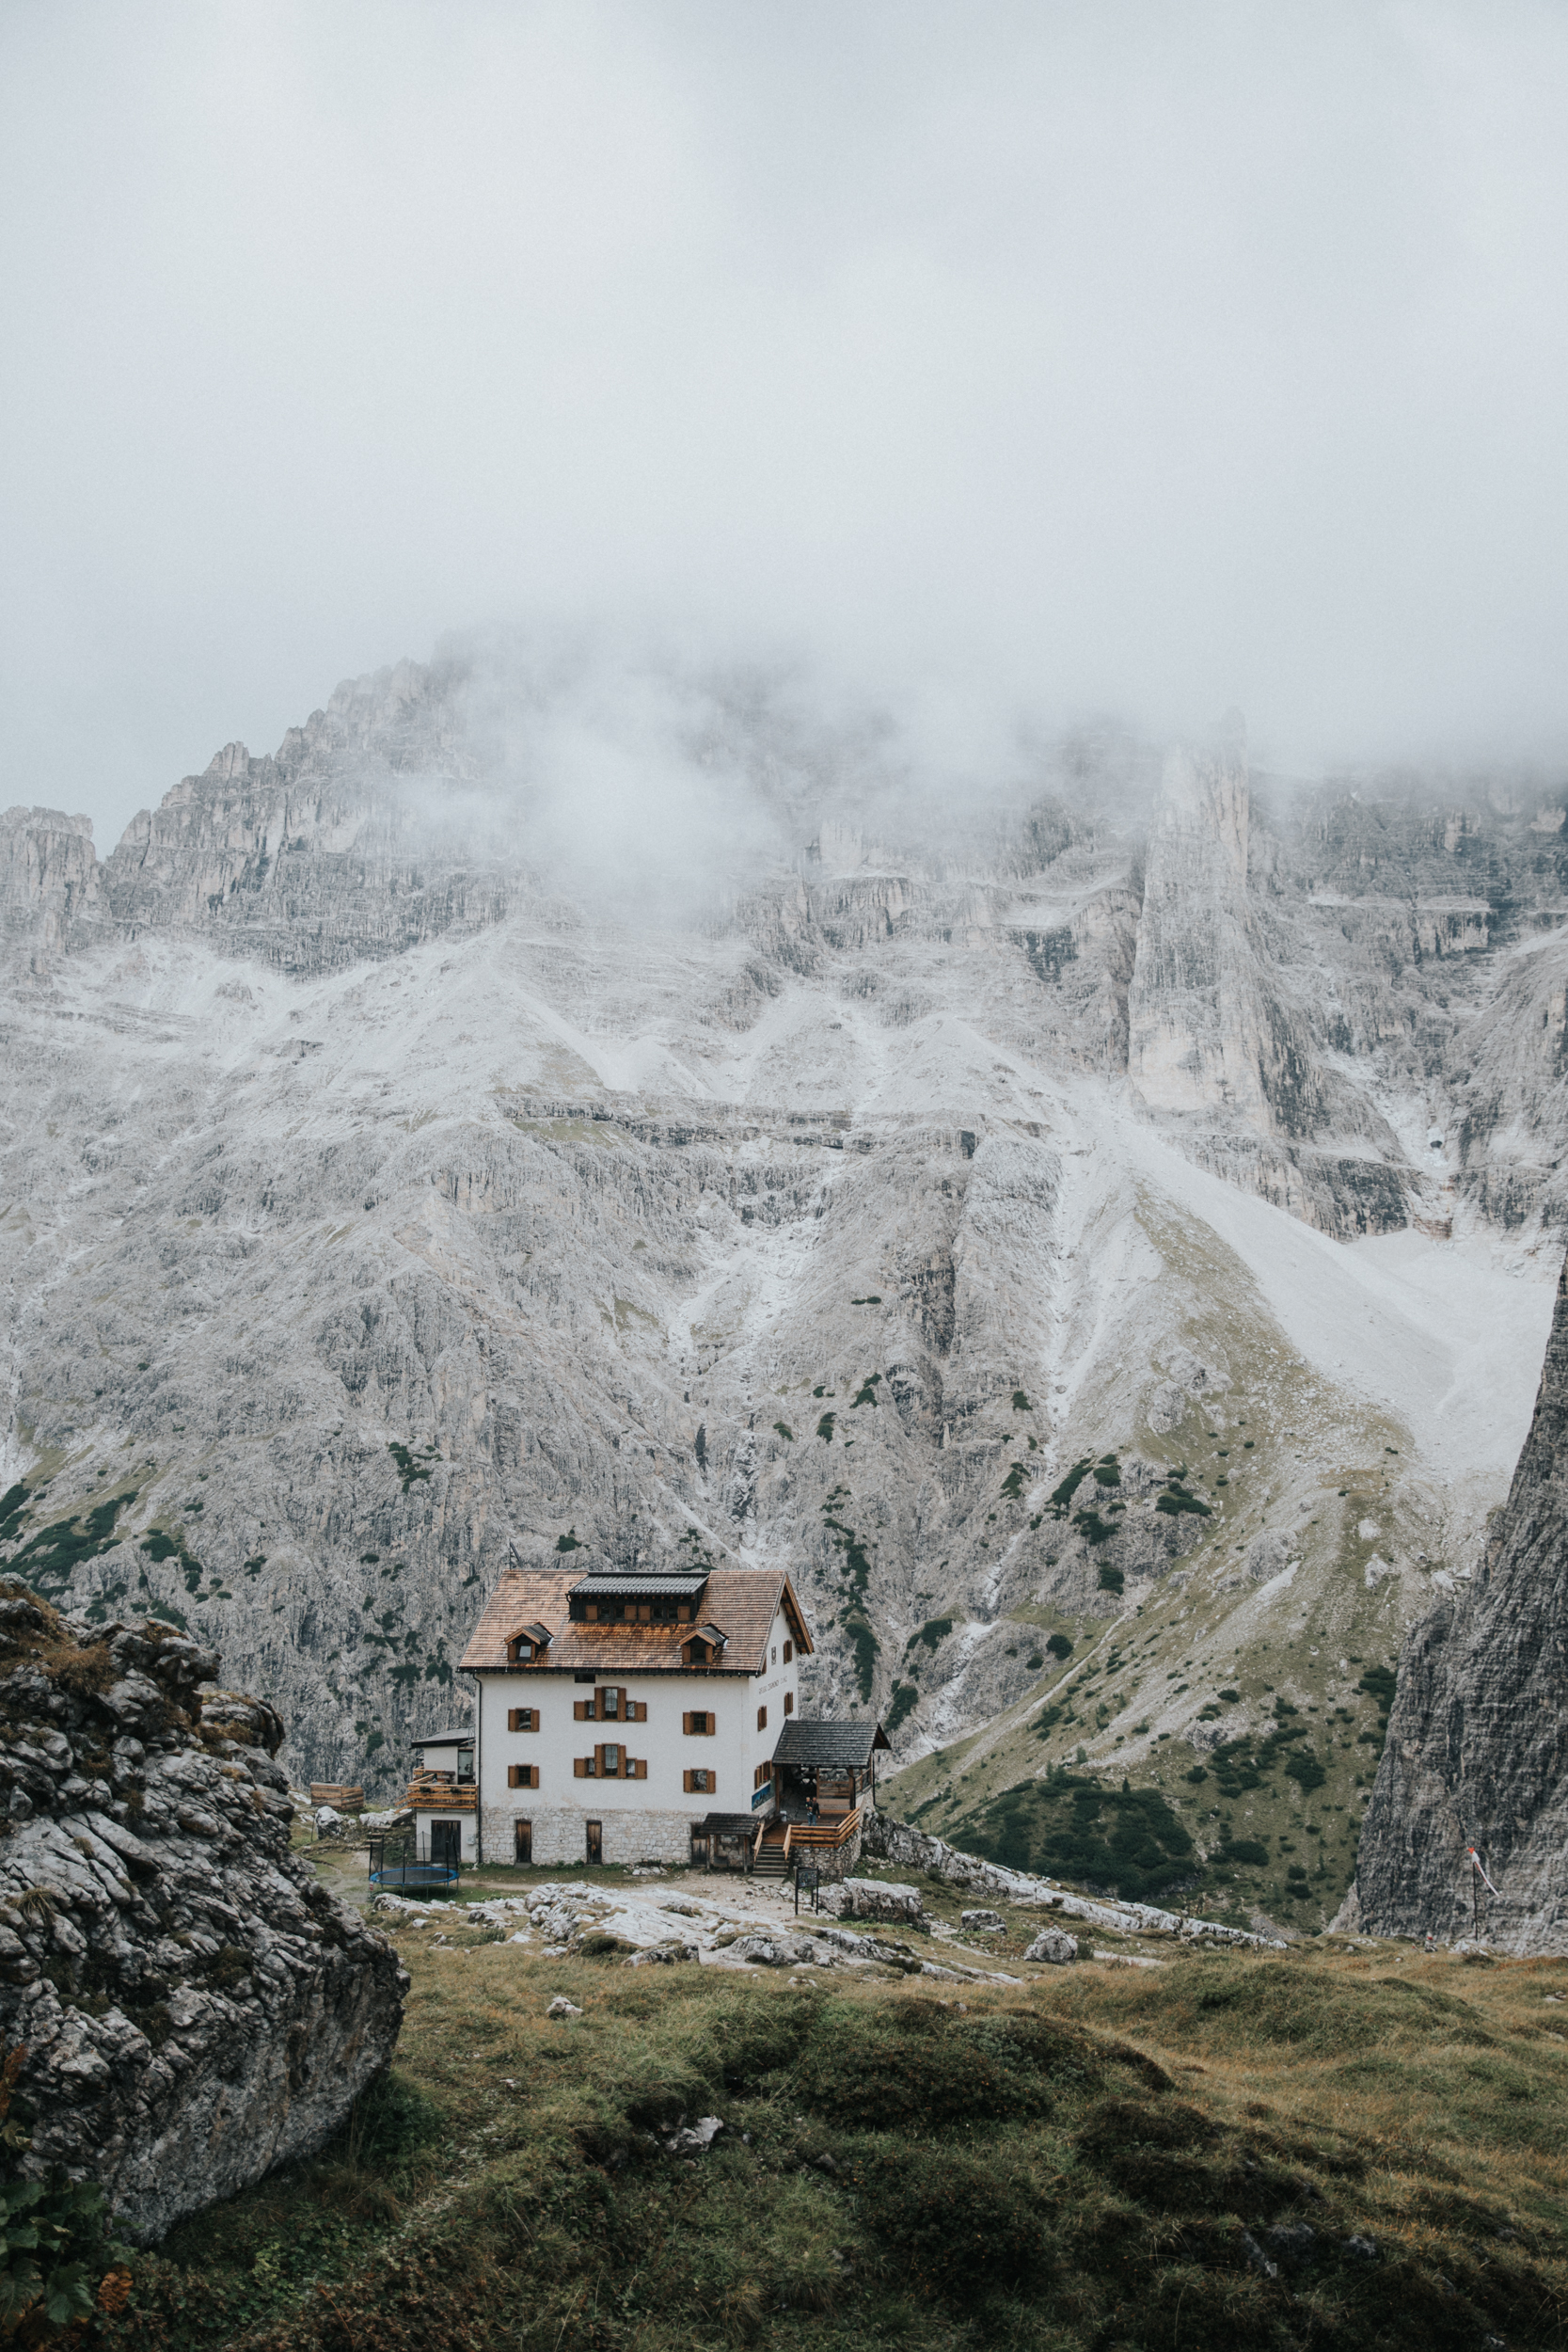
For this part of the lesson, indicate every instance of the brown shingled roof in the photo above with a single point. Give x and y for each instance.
(743, 1600)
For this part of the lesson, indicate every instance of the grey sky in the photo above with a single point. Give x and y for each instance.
(1102, 357)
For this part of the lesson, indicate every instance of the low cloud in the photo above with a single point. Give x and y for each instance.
(1003, 368)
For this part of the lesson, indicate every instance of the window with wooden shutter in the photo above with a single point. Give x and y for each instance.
(699, 1723)
(761, 1777)
(521, 1719)
(699, 1782)
(789, 1702)
(606, 1759)
(636, 1768)
(607, 1704)
(579, 1766)
(636, 1710)
(522, 1776)
(762, 1719)
(582, 1710)
(789, 1652)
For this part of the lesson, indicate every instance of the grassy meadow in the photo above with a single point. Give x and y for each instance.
(1095, 2158)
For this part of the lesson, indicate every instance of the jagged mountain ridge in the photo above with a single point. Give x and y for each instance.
(1476, 1737)
(374, 1209)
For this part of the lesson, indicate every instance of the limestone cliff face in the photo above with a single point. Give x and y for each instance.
(49, 882)
(1477, 1753)
(1220, 1032)
(1194, 1001)
(193, 2008)
(337, 846)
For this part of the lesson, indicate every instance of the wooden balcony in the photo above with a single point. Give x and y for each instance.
(441, 1793)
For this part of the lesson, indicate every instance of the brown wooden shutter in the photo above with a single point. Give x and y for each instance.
(598, 1760)
(789, 1702)
(579, 1767)
(685, 1727)
(515, 1776)
(640, 1709)
(640, 1768)
(580, 1711)
(789, 1652)
(686, 1783)
(762, 1719)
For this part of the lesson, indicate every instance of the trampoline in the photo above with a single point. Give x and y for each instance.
(393, 1864)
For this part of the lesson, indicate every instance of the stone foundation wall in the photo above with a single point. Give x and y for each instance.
(834, 1861)
(561, 1834)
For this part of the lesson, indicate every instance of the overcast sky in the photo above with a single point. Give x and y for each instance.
(1095, 358)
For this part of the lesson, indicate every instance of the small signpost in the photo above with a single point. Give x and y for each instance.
(811, 1880)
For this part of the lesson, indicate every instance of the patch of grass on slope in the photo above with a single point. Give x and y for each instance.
(1097, 2158)
(1120, 1842)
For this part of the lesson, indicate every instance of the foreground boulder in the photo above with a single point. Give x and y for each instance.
(194, 2007)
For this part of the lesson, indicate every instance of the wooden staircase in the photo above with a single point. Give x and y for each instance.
(780, 1844)
(769, 1858)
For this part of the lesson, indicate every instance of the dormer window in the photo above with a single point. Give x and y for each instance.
(527, 1645)
(636, 1597)
(703, 1647)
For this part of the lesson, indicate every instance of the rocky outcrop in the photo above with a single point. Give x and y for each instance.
(1216, 1034)
(1194, 1007)
(361, 836)
(1477, 1754)
(193, 2008)
(49, 882)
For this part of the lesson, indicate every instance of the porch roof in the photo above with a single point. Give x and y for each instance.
(836, 1747)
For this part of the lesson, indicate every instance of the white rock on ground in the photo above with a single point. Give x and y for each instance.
(1054, 1945)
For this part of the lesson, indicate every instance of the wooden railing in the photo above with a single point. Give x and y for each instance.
(822, 1833)
(439, 1793)
(337, 1794)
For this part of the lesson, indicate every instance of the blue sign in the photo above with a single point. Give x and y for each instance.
(763, 1796)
